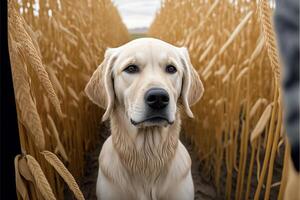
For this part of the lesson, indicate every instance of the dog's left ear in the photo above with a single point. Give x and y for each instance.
(100, 88)
(192, 87)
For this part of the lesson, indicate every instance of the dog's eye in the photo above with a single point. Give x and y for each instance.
(171, 69)
(132, 69)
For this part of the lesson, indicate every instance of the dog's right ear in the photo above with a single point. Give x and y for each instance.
(100, 89)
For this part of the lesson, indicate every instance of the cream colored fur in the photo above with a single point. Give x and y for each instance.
(147, 161)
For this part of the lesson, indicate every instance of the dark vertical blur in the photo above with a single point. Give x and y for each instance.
(287, 29)
(10, 145)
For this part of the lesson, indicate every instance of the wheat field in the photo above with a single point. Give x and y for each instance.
(237, 132)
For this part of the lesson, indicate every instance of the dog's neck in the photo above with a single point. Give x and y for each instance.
(144, 151)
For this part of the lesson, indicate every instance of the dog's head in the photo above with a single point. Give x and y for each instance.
(146, 77)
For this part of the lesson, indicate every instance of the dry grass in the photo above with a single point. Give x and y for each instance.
(238, 127)
(52, 59)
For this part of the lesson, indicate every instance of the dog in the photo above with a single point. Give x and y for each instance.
(143, 85)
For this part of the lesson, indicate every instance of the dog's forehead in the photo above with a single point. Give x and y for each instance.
(144, 48)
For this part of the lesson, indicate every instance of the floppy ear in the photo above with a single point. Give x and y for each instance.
(100, 88)
(192, 87)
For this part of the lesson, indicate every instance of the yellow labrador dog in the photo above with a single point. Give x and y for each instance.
(142, 85)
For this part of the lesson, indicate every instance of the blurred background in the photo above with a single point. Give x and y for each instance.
(137, 14)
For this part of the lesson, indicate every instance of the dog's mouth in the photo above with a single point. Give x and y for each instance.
(152, 121)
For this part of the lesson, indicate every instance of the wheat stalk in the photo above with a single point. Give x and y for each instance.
(64, 173)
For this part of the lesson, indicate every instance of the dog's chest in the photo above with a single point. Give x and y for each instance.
(140, 177)
(145, 188)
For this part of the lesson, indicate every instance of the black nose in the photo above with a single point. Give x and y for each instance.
(157, 98)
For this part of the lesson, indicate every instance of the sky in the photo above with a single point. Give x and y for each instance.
(137, 13)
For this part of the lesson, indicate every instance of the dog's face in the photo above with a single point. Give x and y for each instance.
(146, 77)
